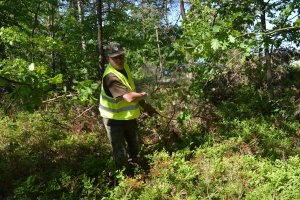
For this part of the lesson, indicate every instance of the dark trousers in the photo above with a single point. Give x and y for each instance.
(123, 137)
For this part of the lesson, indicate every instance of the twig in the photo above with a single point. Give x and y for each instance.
(84, 112)
(273, 31)
(55, 123)
(154, 90)
(58, 97)
(158, 48)
(171, 118)
(282, 29)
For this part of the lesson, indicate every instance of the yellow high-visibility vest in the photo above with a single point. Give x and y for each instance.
(118, 109)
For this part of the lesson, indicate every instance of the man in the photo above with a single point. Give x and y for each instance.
(120, 106)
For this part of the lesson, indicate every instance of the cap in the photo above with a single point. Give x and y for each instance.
(114, 49)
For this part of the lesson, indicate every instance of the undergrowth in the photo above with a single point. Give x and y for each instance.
(219, 138)
(44, 159)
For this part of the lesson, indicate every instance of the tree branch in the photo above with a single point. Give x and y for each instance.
(273, 31)
(84, 112)
(15, 82)
(282, 29)
(58, 97)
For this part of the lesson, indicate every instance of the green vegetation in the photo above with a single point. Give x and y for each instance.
(41, 156)
(251, 158)
(229, 96)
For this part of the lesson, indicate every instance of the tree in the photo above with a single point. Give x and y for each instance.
(182, 9)
(215, 25)
(100, 36)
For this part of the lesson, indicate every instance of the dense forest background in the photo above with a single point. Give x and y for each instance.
(224, 74)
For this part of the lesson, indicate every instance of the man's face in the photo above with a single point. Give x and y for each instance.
(117, 61)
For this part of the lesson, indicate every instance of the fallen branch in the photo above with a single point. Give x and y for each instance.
(84, 112)
(58, 97)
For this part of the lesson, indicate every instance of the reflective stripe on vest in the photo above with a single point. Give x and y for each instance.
(133, 107)
(111, 100)
(118, 108)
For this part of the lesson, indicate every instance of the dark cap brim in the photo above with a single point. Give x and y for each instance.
(116, 54)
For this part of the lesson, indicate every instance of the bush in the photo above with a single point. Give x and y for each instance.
(218, 172)
(41, 157)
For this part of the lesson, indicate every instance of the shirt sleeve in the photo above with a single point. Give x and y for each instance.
(114, 85)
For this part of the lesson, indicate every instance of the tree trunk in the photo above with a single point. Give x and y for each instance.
(108, 6)
(108, 14)
(267, 61)
(263, 26)
(143, 6)
(158, 50)
(182, 9)
(101, 55)
(166, 13)
(34, 26)
(53, 7)
(80, 19)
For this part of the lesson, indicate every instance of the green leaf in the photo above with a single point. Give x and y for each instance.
(65, 89)
(41, 70)
(216, 29)
(243, 45)
(25, 91)
(215, 44)
(231, 39)
(94, 86)
(2, 82)
(56, 79)
(224, 45)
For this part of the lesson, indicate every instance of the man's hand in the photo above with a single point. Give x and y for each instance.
(134, 96)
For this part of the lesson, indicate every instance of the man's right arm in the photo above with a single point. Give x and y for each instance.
(134, 96)
(119, 90)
